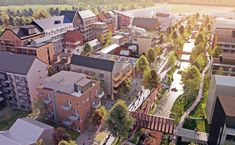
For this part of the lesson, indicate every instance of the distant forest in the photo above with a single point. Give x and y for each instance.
(69, 2)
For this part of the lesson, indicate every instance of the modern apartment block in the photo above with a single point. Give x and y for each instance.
(100, 28)
(54, 28)
(224, 64)
(19, 77)
(110, 19)
(69, 98)
(27, 40)
(109, 69)
(225, 35)
(220, 110)
(87, 19)
(222, 129)
(219, 86)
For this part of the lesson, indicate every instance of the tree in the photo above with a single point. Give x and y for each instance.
(142, 64)
(220, 71)
(200, 62)
(151, 79)
(51, 70)
(99, 116)
(174, 35)
(158, 51)
(87, 49)
(216, 51)
(125, 88)
(151, 55)
(40, 142)
(169, 30)
(59, 135)
(102, 39)
(191, 79)
(171, 59)
(119, 120)
(109, 36)
(200, 39)
(70, 142)
(181, 29)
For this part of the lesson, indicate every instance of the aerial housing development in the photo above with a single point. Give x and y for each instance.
(117, 72)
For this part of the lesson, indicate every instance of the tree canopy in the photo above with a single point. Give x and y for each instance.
(119, 120)
(142, 64)
(151, 55)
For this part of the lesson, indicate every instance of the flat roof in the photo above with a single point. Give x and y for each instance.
(65, 78)
(191, 134)
(224, 80)
(109, 48)
(225, 23)
(227, 103)
(117, 36)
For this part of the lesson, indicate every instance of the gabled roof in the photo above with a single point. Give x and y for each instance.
(16, 63)
(86, 14)
(146, 23)
(24, 131)
(50, 23)
(90, 62)
(22, 31)
(68, 14)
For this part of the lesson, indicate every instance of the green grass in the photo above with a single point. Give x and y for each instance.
(136, 137)
(10, 116)
(180, 106)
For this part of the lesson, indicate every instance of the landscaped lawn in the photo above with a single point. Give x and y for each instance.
(180, 106)
(9, 116)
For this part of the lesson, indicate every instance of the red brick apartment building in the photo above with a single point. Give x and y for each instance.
(27, 40)
(69, 98)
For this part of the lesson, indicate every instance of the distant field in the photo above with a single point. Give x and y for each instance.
(178, 8)
(174, 8)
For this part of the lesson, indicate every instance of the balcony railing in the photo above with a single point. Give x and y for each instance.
(68, 122)
(96, 105)
(66, 107)
(74, 117)
(100, 94)
(46, 100)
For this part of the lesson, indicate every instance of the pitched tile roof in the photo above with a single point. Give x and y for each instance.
(96, 63)
(15, 63)
(150, 24)
(69, 14)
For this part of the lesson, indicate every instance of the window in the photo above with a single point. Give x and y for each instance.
(233, 34)
(101, 75)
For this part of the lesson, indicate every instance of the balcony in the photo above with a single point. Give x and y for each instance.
(74, 117)
(96, 105)
(119, 76)
(46, 100)
(8, 81)
(67, 122)
(100, 94)
(66, 107)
